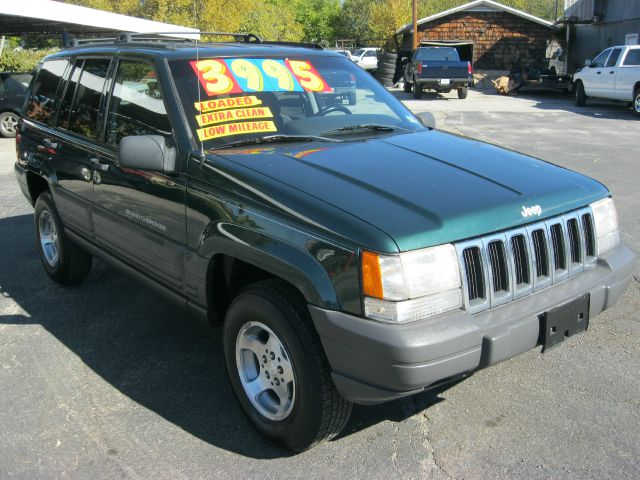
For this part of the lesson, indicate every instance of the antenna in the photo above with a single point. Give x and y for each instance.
(195, 21)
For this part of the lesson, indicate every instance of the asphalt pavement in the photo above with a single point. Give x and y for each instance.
(109, 380)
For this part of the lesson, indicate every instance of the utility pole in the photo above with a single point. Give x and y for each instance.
(415, 23)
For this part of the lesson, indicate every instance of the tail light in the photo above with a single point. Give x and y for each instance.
(352, 77)
(469, 69)
(419, 68)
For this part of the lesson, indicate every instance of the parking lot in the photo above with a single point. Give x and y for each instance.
(109, 380)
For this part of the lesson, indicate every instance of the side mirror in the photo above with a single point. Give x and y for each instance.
(147, 152)
(427, 119)
(587, 62)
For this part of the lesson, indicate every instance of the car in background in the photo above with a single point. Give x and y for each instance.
(366, 58)
(439, 69)
(13, 89)
(346, 53)
(614, 75)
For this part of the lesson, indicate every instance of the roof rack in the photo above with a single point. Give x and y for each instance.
(170, 38)
(162, 37)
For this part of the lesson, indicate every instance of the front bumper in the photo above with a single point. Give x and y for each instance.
(375, 362)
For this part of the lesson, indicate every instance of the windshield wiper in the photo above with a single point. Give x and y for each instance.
(365, 126)
(279, 138)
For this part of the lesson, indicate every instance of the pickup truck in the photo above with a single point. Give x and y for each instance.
(614, 75)
(439, 69)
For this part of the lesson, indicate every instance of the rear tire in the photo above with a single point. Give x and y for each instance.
(636, 103)
(268, 334)
(417, 90)
(463, 92)
(581, 97)
(406, 86)
(64, 261)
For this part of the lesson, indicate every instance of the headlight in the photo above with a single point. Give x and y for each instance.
(412, 285)
(605, 220)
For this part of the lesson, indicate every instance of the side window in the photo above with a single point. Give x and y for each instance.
(136, 104)
(83, 117)
(633, 57)
(65, 106)
(41, 105)
(613, 58)
(598, 62)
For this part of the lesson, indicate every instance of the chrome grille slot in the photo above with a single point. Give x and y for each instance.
(520, 259)
(474, 272)
(557, 241)
(498, 260)
(502, 267)
(539, 239)
(589, 236)
(575, 247)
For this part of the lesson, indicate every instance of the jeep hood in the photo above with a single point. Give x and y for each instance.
(422, 189)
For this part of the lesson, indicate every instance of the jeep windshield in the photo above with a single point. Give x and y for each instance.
(234, 100)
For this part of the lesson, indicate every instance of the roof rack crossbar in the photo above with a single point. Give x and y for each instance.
(163, 37)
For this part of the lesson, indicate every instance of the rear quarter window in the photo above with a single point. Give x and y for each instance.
(42, 102)
(633, 58)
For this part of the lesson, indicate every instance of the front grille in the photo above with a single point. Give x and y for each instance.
(502, 267)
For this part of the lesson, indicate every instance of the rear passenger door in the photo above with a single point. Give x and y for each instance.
(628, 74)
(139, 214)
(76, 141)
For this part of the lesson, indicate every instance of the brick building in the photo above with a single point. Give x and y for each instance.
(492, 35)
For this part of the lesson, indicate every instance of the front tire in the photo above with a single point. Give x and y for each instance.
(636, 103)
(278, 369)
(8, 124)
(64, 262)
(581, 97)
(406, 86)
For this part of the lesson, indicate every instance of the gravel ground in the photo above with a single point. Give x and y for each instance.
(107, 380)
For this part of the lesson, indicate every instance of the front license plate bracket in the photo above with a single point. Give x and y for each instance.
(564, 321)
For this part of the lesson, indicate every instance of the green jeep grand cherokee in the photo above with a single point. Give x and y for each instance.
(351, 254)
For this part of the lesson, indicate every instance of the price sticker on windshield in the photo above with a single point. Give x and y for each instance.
(220, 76)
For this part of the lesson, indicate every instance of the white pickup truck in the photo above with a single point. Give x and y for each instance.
(614, 74)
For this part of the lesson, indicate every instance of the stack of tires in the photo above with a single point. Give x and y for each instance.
(386, 71)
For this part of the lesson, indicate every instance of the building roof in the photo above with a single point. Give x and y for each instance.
(49, 17)
(478, 6)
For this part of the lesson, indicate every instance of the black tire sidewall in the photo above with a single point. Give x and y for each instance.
(302, 424)
(636, 100)
(581, 97)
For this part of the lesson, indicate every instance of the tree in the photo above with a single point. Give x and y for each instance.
(318, 19)
(386, 17)
(354, 20)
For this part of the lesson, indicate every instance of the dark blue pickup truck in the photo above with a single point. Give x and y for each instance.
(439, 69)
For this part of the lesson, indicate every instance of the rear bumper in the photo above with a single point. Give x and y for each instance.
(374, 362)
(437, 83)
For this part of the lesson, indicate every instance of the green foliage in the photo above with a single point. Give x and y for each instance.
(319, 20)
(22, 60)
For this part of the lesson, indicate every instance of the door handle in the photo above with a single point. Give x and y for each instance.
(611, 72)
(98, 165)
(598, 73)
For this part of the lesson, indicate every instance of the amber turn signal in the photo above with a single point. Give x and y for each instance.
(371, 275)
